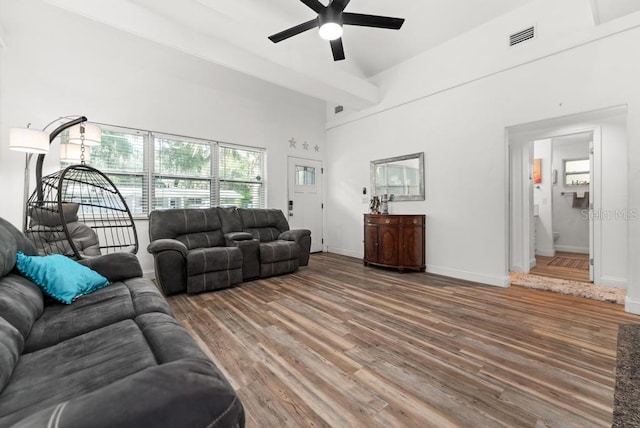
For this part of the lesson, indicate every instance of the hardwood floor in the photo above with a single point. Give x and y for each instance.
(543, 268)
(338, 344)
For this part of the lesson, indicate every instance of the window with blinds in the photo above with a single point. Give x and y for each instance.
(162, 171)
(182, 173)
(121, 157)
(241, 177)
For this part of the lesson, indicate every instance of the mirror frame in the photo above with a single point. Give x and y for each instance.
(399, 198)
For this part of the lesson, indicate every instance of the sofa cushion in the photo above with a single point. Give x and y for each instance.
(184, 393)
(264, 224)
(21, 302)
(19, 240)
(60, 277)
(74, 367)
(120, 301)
(277, 251)
(196, 228)
(230, 219)
(11, 344)
(125, 374)
(213, 259)
(8, 250)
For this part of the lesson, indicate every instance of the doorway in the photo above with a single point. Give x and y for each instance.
(563, 226)
(597, 195)
(305, 202)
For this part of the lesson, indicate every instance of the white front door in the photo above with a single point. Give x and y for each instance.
(305, 198)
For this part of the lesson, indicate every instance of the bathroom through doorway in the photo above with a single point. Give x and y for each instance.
(568, 198)
(563, 227)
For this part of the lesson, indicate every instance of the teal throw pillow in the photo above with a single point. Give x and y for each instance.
(60, 277)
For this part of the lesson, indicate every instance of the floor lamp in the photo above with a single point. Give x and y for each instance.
(33, 141)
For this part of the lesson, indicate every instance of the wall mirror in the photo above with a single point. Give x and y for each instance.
(400, 176)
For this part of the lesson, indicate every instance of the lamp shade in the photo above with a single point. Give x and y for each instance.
(92, 134)
(28, 140)
(73, 153)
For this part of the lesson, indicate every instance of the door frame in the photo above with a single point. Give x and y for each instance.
(289, 157)
(519, 135)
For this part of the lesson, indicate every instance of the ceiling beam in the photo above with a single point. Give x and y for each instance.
(332, 86)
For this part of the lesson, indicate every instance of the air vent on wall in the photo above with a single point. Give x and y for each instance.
(522, 36)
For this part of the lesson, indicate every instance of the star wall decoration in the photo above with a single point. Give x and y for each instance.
(305, 145)
(292, 143)
(317, 148)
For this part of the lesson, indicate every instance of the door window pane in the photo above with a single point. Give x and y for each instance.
(305, 176)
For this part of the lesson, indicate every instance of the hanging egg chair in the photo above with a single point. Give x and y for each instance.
(78, 211)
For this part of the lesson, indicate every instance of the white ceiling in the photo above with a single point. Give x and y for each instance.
(369, 50)
(233, 33)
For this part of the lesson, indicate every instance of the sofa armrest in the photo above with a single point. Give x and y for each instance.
(303, 238)
(294, 235)
(160, 245)
(238, 236)
(115, 266)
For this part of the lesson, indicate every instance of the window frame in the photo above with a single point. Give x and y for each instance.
(150, 177)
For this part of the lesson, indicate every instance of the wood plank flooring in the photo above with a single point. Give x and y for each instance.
(543, 268)
(338, 344)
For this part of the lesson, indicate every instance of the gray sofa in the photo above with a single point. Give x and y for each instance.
(116, 357)
(229, 245)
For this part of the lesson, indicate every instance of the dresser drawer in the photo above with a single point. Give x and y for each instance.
(415, 220)
(382, 219)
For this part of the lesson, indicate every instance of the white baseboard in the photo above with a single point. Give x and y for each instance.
(519, 269)
(343, 252)
(547, 252)
(614, 282)
(532, 263)
(572, 249)
(632, 306)
(149, 274)
(498, 281)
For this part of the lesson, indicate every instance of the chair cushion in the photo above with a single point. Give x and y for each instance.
(276, 251)
(60, 277)
(213, 259)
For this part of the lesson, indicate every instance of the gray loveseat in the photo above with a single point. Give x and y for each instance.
(113, 358)
(207, 249)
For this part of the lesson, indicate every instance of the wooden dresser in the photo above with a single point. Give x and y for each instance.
(395, 241)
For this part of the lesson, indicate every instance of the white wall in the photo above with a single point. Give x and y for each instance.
(616, 212)
(542, 198)
(56, 63)
(572, 224)
(454, 104)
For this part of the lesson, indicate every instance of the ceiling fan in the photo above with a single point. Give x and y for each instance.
(330, 20)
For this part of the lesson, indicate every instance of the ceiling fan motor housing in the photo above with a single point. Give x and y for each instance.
(330, 15)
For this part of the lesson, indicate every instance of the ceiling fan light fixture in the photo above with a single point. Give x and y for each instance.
(330, 31)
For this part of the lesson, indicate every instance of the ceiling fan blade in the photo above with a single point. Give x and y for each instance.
(339, 5)
(338, 49)
(314, 4)
(372, 21)
(290, 32)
